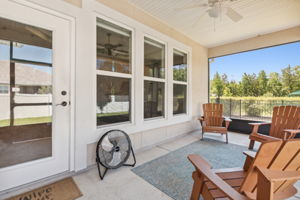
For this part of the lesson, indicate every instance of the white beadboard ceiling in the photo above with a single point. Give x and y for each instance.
(259, 17)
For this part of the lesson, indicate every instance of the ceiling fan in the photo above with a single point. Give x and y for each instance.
(112, 49)
(45, 35)
(215, 9)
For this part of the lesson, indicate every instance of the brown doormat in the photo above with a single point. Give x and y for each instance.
(65, 189)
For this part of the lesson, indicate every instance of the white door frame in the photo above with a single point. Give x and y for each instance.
(71, 72)
(72, 69)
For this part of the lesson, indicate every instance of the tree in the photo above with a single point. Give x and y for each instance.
(249, 86)
(274, 85)
(297, 75)
(262, 81)
(227, 92)
(288, 79)
(234, 88)
(217, 85)
(225, 79)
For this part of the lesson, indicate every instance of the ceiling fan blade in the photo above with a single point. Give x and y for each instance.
(192, 6)
(100, 46)
(233, 15)
(38, 33)
(116, 46)
(120, 52)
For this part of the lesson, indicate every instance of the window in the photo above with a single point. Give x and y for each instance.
(179, 99)
(154, 59)
(154, 99)
(113, 73)
(154, 80)
(179, 82)
(4, 89)
(179, 66)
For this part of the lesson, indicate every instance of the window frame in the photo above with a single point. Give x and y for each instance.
(187, 83)
(129, 76)
(155, 79)
(139, 31)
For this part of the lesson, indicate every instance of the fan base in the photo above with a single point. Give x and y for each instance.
(101, 175)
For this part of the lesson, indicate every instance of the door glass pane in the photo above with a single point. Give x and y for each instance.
(113, 47)
(154, 59)
(179, 66)
(179, 99)
(113, 100)
(154, 93)
(25, 93)
(31, 53)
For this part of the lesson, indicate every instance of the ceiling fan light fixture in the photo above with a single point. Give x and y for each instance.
(214, 12)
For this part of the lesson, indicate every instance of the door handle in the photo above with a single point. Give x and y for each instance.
(64, 103)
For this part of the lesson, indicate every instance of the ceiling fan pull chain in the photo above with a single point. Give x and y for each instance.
(214, 25)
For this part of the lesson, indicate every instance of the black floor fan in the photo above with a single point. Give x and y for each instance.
(113, 151)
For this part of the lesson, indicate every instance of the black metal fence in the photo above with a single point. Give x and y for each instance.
(250, 109)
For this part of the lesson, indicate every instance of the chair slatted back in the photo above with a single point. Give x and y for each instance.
(284, 117)
(213, 114)
(288, 159)
(264, 156)
(276, 155)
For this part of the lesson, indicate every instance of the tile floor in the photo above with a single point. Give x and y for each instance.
(122, 184)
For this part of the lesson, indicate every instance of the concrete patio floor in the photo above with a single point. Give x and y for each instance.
(123, 184)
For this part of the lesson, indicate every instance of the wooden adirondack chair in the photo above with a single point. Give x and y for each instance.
(269, 175)
(212, 120)
(285, 125)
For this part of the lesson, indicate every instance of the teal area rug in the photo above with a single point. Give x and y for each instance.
(172, 173)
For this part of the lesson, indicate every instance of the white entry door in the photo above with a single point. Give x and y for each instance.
(34, 94)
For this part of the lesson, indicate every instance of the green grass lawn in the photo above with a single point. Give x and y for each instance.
(38, 120)
(24, 121)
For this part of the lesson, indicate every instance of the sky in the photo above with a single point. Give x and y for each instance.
(28, 52)
(272, 59)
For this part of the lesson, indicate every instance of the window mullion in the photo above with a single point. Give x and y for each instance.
(148, 78)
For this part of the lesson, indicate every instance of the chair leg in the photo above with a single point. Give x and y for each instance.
(251, 144)
(226, 138)
(197, 186)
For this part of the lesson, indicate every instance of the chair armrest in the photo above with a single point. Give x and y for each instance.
(256, 126)
(202, 121)
(227, 119)
(267, 179)
(206, 171)
(227, 122)
(199, 161)
(279, 175)
(262, 138)
(290, 133)
(250, 154)
(201, 118)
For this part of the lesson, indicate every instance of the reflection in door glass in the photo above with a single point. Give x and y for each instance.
(25, 93)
